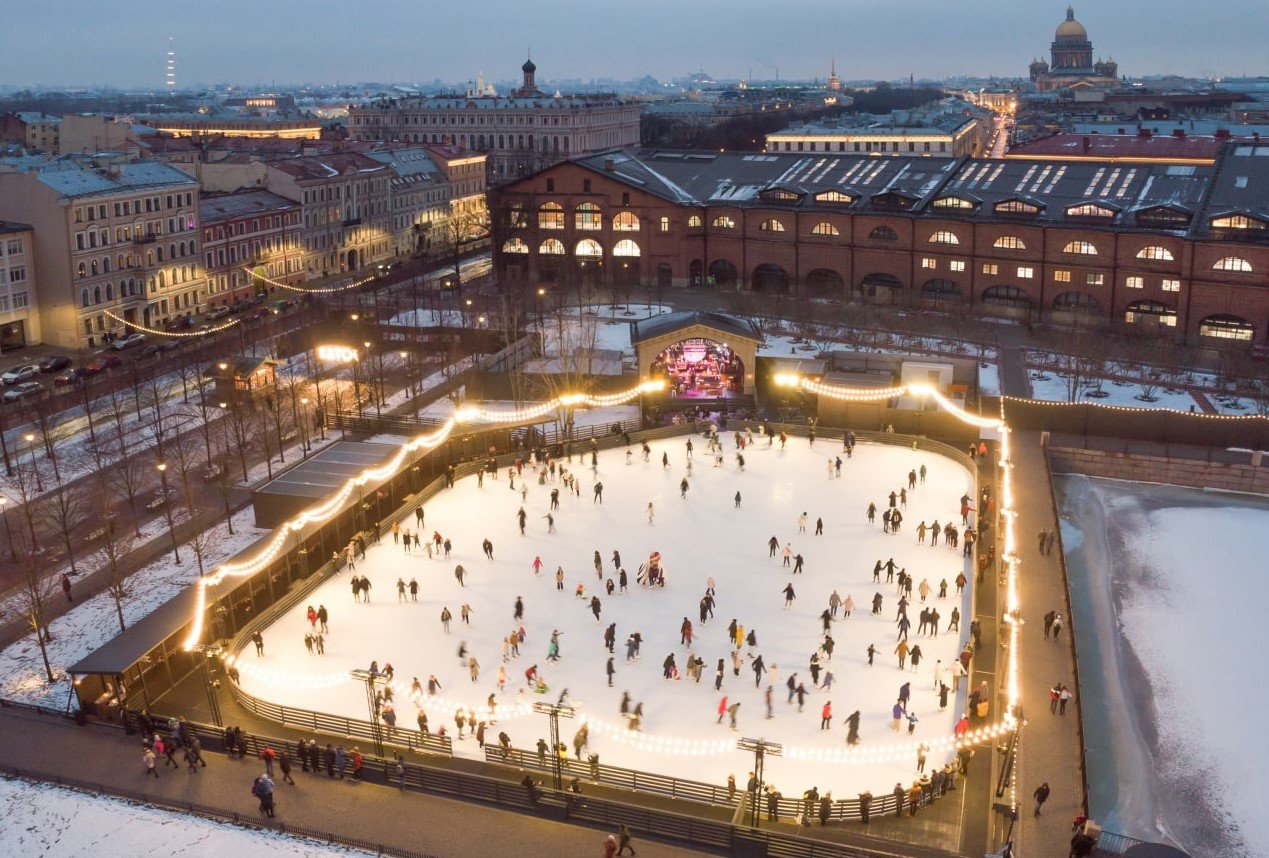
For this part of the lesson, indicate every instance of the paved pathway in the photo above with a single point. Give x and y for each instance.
(1050, 748)
(378, 814)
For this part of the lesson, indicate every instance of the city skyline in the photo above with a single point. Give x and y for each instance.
(287, 44)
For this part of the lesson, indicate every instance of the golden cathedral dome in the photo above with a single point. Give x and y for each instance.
(1070, 28)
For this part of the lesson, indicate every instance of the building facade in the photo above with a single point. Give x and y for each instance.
(1179, 251)
(520, 133)
(19, 321)
(346, 206)
(248, 236)
(35, 132)
(114, 239)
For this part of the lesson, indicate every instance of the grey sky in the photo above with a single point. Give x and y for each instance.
(113, 42)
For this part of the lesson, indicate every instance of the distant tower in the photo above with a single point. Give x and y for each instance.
(530, 71)
(834, 82)
(171, 65)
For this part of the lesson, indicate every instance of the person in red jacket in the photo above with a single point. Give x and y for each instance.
(826, 715)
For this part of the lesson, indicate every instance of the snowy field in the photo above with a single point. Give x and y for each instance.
(52, 822)
(699, 537)
(1052, 387)
(1170, 636)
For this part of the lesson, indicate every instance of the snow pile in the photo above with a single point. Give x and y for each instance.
(53, 822)
(701, 537)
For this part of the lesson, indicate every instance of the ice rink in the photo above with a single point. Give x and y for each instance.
(699, 537)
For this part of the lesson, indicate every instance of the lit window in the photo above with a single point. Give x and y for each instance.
(723, 222)
(551, 247)
(952, 203)
(1090, 210)
(1227, 328)
(1061, 276)
(956, 265)
(1155, 253)
(665, 224)
(833, 197)
(1025, 272)
(625, 222)
(771, 225)
(1135, 282)
(929, 262)
(625, 247)
(1232, 263)
(991, 268)
(1009, 242)
(1095, 279)
(586, 217)
(1016, 207)
(1237, 222)
(514, 245)
(693, 222)
(551, 216)
(1170, 285)
(825, 228)
(1080, 248)
(944, 237)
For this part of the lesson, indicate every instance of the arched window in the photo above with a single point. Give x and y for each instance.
(694, 222)
(1224, 327)
(515, 245)
(1009, 242)
(1238, 221)
(771, 225)
(944, 237)
(96, 294)
(551, 216)
(1155, 253)
(105, 265)
(1080, 248)
(586, 217)
(833, 197)
(93, 267)
(625, 222)
(83, 298)
(83, 270)
(110, 291)
(1077, 302)
(723, 222)
(588, 248)
(665, 224)
(625, 247)
(825, 228)
(941, 290)
(883, 233)
(953, 203)
(1007, 296)
(1228, 263)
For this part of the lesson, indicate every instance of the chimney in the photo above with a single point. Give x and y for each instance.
(610, 164)
(1178, 133)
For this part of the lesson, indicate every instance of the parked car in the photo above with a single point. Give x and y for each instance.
(21, 372)
(54, 363)
(170, 345)
(259, 313)
(23, 390)
(149, 351)
(279, 307)
(68, 377)
(218, 314)
(128, 341)
(180, 323)
(100, 364)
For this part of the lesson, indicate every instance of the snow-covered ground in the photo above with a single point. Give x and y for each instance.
(1052, 387)
(1170, 635)
(699, 537)
(988, 379)
(53, 822)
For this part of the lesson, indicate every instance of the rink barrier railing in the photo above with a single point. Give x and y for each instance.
(677, 788)
(337, 725)
(559, 806)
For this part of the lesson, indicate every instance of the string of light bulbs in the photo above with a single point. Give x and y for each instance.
(177, 334)
(326, 290)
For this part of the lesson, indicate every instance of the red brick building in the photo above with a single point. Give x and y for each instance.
(1180, 248)
(247, 236)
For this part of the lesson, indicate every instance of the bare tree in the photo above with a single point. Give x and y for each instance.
(110, 555)
(36, 592)
(202, 543)
(65, 507)
(241, 432)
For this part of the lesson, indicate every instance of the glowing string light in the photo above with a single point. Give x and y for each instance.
(326, 290)
(178, 334)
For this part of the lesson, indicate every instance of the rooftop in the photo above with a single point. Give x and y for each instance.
(218, 207)
(668, 323)
(1119, 147)
(78, 177)
(11, 226)
(313, 167)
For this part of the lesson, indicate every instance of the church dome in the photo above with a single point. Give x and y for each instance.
(1070, 28)
(528, 67)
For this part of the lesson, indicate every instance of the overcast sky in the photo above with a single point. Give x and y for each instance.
(122, 42)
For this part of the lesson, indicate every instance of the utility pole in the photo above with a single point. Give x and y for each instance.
(555, 711)
(761, 748)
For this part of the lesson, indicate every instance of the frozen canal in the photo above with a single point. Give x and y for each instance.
(700, 537)
(1171, 638)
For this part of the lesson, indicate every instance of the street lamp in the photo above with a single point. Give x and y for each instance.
(555, 711)
(304, 444)
(29, 437)
(372, 705)
(761, 748)
(4, 511)
(167, 508)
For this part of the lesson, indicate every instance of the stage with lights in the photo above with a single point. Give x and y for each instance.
(701, 537)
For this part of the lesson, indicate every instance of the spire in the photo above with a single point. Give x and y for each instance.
(1070, 13)
(833, 67)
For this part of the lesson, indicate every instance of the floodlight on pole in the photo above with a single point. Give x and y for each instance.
(761, 749)
(555, 711)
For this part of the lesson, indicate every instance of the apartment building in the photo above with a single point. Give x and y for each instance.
(19, 321)
(250, 237)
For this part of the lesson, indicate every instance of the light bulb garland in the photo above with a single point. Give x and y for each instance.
(175, 334)
(1131, 408)
(326, 290)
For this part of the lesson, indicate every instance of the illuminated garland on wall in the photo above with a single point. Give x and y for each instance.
(179, 334)
(310, 291)
(328, 509)
(1132, 408)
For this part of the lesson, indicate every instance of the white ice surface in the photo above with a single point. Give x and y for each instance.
(52, 822)
(699, 537)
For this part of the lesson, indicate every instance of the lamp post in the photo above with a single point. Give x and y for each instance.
(761, 749)
(4, 511)
(555, 711)
(303, 421)
(209, 652)
(372, 705)
(541, 320)
(29, 437)
(167, 508)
